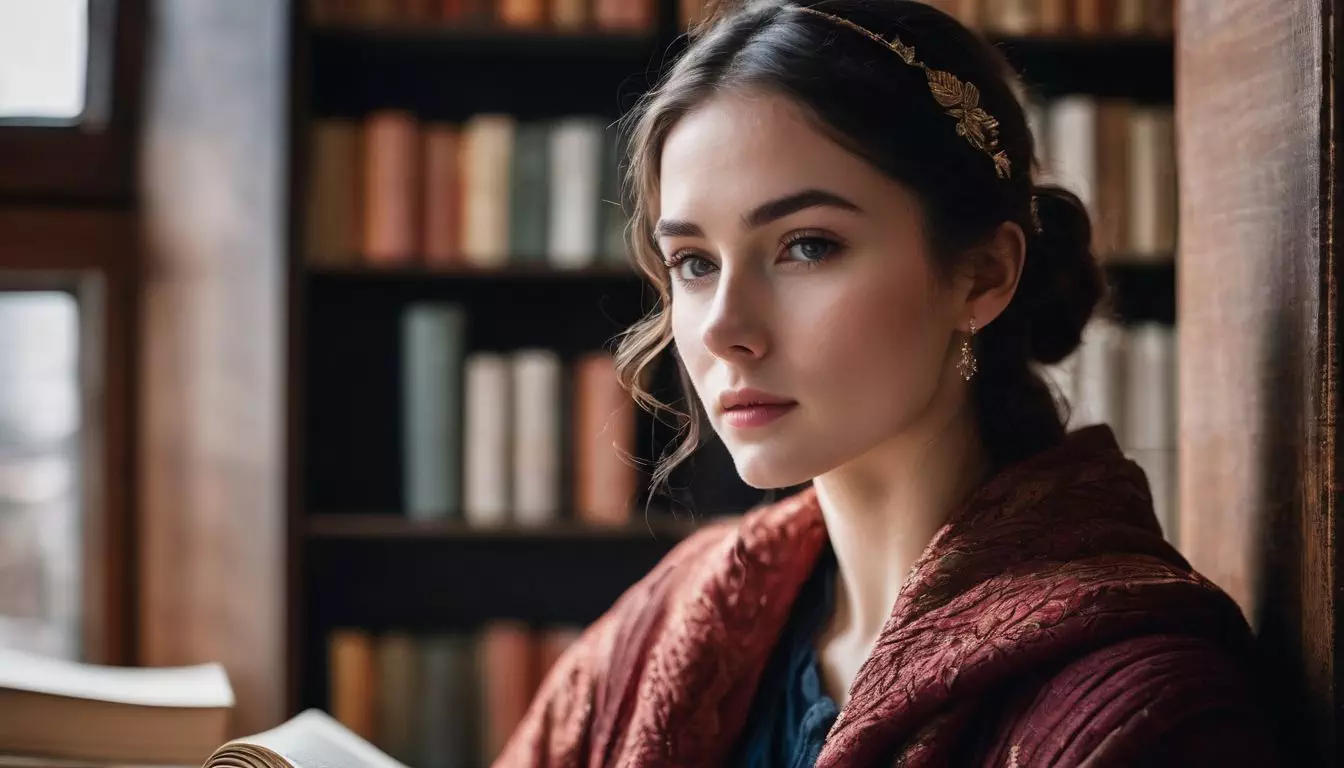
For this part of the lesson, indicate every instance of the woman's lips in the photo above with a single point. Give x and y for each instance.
(747, 416)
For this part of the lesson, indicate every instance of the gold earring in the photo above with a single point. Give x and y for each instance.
(966, 365)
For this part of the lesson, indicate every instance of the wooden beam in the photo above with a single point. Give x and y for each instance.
(1258, 302)
(211, 458)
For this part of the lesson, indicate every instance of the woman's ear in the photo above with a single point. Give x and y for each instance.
(994, 269)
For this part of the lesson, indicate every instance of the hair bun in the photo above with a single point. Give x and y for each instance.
(1061, 283)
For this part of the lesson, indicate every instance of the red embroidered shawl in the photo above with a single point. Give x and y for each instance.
(1047, 623)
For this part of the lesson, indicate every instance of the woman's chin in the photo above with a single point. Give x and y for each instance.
(764, 469)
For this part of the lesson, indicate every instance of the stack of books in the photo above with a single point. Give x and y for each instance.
(55, 712)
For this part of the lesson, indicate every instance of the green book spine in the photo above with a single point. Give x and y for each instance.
(529, 205)
(433, 350)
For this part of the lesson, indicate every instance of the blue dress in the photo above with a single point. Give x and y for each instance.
(790, 714)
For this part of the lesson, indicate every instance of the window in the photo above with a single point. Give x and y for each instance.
(41, 426)
(44, 47)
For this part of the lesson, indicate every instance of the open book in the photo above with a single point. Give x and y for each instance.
(311, 739)
(52, 708)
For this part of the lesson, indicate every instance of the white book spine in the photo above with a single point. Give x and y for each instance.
(432, 350)
(488, 147)
(536, 443)
(486, 452)
(1073, 146)
(576, 166)
(1150, 413)
(1152, 183)
(1100, 377)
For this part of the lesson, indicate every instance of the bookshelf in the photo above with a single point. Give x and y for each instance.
(357, 560)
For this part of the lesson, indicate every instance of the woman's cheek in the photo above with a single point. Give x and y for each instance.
(875, 350)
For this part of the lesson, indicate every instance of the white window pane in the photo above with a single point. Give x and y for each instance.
(40, 493)
(43, 57)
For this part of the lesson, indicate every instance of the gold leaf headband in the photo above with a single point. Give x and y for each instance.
(960, 100)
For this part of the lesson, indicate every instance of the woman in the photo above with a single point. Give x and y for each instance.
(858, 275)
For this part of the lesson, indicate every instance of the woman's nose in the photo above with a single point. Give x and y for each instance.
(735, 328)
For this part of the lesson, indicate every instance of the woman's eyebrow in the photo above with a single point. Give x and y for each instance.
(783, 206)
(763, 214)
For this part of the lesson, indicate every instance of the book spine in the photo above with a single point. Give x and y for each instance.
(1101, 377)
(447, 724)
(1129, 17)
(605, 479)
(1073, 151)
(576, 158)
(570, 15)
(1150, 414)
(487, 449)
(434, 342)
(529, 192)
(521, 14)
(398, 693)
(536, 430)
(392, 183)
(1053, 17)
(442, 219)
(506, 662)
(1113, 172)
(486, 168)
(331, 233)
(1152, 201)
(354, 682)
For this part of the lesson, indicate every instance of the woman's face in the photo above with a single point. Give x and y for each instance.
(801, 272)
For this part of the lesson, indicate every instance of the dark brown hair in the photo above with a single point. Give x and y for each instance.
(870, 101)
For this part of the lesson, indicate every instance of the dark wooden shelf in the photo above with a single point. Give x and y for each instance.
(510, 271)
(1143, 290)
(393, 526)
(385, 571)
(1139, 68)
(446, 73)
(516, 42)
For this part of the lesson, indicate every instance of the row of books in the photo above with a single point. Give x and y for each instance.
(1008, 17)
(1065, 17)
(390, 190)
(1125, 376)
(443, 700)
(620, 16)
(486, 434)
(1119, 157)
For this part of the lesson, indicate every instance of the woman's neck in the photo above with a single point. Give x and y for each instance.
(881, 511)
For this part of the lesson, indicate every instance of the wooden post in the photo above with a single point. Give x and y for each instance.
(1258, 303)
(211, 452)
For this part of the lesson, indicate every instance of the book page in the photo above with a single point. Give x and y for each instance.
(204, 686)
(314, 739)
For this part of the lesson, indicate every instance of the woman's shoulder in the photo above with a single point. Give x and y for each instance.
(778, 539)
(664, 622)
(1158, 700)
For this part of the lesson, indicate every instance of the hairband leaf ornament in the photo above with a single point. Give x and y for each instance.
(959, 99)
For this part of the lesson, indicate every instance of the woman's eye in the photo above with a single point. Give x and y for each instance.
(692, 267)
(811, 248)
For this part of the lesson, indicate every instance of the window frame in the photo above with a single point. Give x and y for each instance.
(92, 158)
(91, 254)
